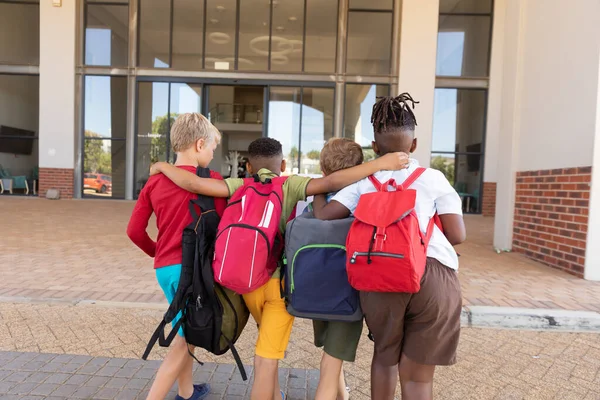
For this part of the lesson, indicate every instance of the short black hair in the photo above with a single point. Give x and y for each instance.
(265, 148)
(394, 113)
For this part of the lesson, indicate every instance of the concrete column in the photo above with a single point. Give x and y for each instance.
(592, 255)
(57, 97)
(507, 148)
(416, 72)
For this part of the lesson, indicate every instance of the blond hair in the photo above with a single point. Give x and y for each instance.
(340, 153)
(189, 128)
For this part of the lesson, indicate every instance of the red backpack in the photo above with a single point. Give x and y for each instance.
(386, 249)
(249, 243)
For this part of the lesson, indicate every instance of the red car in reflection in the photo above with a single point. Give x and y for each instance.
(100, 183)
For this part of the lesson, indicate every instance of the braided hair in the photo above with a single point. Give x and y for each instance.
(394, 113)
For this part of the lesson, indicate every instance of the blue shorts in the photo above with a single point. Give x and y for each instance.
(168, 279)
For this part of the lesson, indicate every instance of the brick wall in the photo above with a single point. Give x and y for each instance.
(56, 178)
(551, 216)
(488, 200)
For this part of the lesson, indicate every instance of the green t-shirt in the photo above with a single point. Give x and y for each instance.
(294, 190)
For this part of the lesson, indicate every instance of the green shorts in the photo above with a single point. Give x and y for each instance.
(338, 339)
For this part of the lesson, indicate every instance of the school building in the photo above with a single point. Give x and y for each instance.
(509, 94)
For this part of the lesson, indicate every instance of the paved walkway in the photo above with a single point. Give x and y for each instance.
(492, 364)
(74, 250)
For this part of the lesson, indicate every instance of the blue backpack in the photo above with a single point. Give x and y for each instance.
(316, 282)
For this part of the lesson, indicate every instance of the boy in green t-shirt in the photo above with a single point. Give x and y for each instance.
(265, 303)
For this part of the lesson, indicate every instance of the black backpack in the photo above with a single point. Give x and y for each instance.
(213, 317)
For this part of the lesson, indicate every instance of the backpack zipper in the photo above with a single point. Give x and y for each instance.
(311, 246)
(370, 254)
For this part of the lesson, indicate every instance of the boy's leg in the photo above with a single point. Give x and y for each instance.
(342, 393)
(178, 364)
(274, 329)
(416, 379)
(384, 314)
(329, 378)
(169, 371)
(431, 331)
(339, 341)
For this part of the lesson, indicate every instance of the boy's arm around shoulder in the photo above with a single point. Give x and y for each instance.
(190, 181)
(136, 229)
(340, 179)
(449, 208)
(328, 211)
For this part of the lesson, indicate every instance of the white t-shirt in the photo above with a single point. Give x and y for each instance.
(434, 193)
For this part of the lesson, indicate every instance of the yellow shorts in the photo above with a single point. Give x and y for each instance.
(274, 322)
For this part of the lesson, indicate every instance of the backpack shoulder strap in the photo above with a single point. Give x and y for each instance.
(413, 177)
(375, 182)
(204, 202)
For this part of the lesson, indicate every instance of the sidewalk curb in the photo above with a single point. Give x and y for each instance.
(530, 319)
(114, 304)
(471, 316)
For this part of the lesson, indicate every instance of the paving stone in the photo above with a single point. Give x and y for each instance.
(22, 388)
(116, 362)
(136, 383)
(38, 377)
(6, 386)
(97, 381)
(81, 360)
(236, 389)
(78, 379)
(65, 390)
(34, 365)
(58, 378)
(126, 372)
(89, 369)
(127, 394)
(106, 393)
(4, 374)
(45, 389)
(85, 392)
(296, 394)
(45, 357)
(107, 371)
(17, 377)
(145, 373)
(116, 383)
(63, 358)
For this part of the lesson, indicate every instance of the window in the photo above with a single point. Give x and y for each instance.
(321, 35)
(106, 34)
(19, 113)
(371, 4)
(291, 36)
(287, 36)
(302, 120)
(369, 43)
(19, 33)
(188, 27)
(105, 121)
(464, 38)
(457, 145)
(159, 105)
(358, 107)
(316, 127)
(154, 34)
(220, 34)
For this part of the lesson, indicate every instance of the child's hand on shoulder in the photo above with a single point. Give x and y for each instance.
(394, 161)
(156, 168)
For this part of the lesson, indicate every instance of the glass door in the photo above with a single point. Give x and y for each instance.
(237, 111)
(301, 118)
(159, 104)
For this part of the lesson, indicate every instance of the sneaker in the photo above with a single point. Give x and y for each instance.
(282, 395)
(200, 392)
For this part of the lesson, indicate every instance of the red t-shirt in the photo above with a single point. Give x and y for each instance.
(170, 204)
